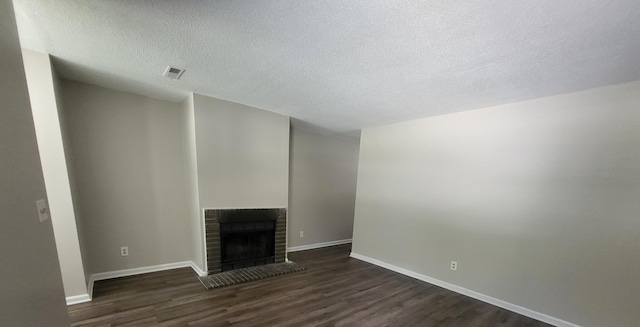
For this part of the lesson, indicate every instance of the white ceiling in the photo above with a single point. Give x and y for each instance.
(341, 65)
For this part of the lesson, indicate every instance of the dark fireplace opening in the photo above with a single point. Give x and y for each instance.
(240, 238)
(247, 243)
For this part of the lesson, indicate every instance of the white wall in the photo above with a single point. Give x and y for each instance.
(32, 291)
(191, 180)
(243, 155)
(128, 162)
(537, 201)
(40, 80)
(322, 192)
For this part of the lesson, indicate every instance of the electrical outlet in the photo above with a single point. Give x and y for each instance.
(124, 251)
(43, 211)
(454, 265)
(301, 233)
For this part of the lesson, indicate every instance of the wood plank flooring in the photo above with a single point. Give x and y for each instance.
(335, 290)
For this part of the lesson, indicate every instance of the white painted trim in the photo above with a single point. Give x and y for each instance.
(76, 299)
(317, 245)
(138, 271)
(142, 270)
(198, 270)
(90, 287)
(461, 290)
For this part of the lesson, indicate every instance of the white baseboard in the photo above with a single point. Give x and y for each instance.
(76, 299)
(317, 245)
(138, 271)
(461, 290)
(141, 270)
(90, 287)
(198, 270)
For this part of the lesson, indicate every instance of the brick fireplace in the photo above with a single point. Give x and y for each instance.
(240, 238)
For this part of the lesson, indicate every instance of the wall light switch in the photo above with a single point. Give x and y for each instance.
(301, 233)
(43, 211)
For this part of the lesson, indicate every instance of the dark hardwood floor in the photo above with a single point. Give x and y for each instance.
(335, 290)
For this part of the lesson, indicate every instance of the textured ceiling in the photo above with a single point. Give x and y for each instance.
(341, 65)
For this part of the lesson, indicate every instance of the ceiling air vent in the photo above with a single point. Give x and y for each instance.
(173, 73)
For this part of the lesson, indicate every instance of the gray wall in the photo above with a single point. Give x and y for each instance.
(130, 175)
(44, 105)
(57, 85)
(32, 291)
(537, 201)
(242, 154)
(323, 171)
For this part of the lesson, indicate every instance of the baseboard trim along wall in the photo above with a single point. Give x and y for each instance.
(139, 271)
(77, 299)
(317, 245)
(198, 270)
(461, 290)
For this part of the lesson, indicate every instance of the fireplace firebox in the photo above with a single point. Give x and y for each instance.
(247, 244)
(240, 238)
